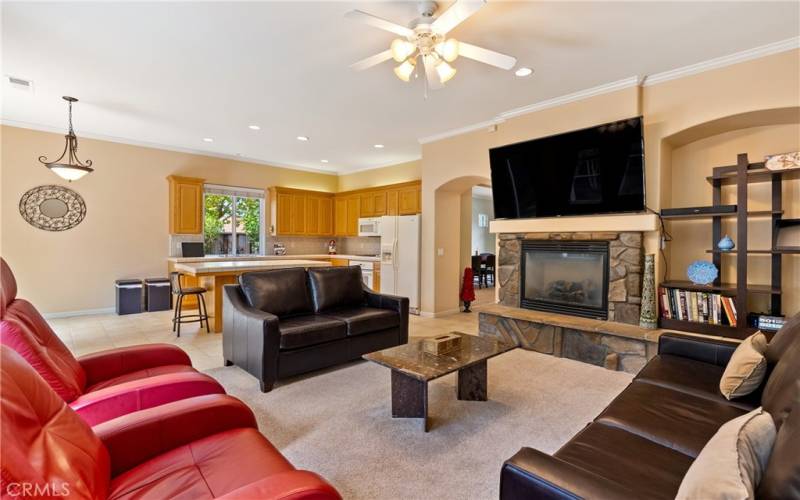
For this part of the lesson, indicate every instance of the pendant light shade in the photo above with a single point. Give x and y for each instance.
(68, 166)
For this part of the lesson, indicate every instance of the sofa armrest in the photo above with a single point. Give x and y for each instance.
(533, 474)
(104, 365)
(704, 349)
(250, 337)
(294, 484)
(392, 302)
(137, 437)
(99, 406)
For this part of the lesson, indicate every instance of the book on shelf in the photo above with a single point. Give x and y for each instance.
(699, 307)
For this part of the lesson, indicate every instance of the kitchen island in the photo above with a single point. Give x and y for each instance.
(214, 275)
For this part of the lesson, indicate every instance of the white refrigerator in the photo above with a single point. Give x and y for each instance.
(400, 249)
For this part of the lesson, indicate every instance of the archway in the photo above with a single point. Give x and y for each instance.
(452, 248)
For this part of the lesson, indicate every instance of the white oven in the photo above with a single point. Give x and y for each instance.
(369, 226)
(367, 274)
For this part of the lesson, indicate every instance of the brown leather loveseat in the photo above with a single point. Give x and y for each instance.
(643, 443)
(285, 322)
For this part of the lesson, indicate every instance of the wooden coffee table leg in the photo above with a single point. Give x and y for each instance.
(409, 398)
(472, 382)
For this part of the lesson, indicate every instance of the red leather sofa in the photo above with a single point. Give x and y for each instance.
(103, 385)
(202, 447)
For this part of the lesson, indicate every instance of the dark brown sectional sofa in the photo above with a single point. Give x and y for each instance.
(643, 443)
(286, 322)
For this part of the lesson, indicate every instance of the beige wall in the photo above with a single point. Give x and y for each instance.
(482, 240)
(402, 172)
(691, 163)
(125, 232)
(668, 108)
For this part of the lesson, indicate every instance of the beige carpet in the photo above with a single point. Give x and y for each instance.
(338, 424)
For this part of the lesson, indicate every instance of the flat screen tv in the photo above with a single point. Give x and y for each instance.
(596, 170)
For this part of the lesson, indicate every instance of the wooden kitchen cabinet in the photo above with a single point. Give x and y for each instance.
(295, 212)
(298, 215)
(373, 204)
(353, 213)
(185, 205)
(325, 227)
(409, 202)
(340, 216)
(319, 215)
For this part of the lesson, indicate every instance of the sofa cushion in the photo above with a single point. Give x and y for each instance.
(733, 461)
(627, 459)
(204, 469)
(336, 287)
(668, 417)
(783, 386)
(361, 320)
(692, 377)
(787, 336)
(782, 475)
(310, 329)
(746, 369)
(282, 292)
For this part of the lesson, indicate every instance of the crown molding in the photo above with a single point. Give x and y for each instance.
(537, 106)
(606, 88)
(164, 147)
(380, 165)
(462, 130)
(644, 81)
(721, 62)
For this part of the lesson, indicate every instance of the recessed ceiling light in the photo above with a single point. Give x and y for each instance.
(523, 72)
(254, 127)
(208, 139)
(302, 138)
(378, 146)
(324, 161)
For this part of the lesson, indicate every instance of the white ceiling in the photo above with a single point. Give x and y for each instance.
(170, 74)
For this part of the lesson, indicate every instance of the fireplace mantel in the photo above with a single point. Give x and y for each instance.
(613, 223)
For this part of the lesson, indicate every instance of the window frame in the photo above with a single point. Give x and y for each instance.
(235, 194)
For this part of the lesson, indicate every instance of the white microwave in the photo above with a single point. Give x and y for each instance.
(369, 226)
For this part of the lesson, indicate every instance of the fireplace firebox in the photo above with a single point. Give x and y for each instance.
(567, 277)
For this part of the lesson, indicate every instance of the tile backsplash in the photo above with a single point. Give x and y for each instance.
(296, 245)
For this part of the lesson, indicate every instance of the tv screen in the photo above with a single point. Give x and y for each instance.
(596, 170)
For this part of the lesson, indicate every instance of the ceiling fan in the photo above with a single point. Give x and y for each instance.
(426, 38)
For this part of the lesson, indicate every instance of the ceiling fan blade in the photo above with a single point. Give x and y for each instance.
(377, 22)
(372, 60)
(486, 56)
(455, 15)
(434, 83)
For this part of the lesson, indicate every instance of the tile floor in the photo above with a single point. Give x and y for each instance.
(86, 334)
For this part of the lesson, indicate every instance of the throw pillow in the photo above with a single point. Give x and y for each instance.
(731, 464)
(746, 369)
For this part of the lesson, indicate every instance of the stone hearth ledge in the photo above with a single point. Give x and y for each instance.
(616, 346)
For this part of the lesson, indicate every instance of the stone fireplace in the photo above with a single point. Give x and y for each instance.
(594, 275)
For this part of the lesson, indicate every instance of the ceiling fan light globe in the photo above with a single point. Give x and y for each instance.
(448, 49)
(445, 71)
(405, 70)
(401, 49)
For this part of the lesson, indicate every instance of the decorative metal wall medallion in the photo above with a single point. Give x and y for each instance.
(52, 208)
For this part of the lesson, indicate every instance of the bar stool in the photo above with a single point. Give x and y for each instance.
(180, 292)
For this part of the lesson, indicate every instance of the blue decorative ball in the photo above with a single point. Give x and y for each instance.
(702, 272)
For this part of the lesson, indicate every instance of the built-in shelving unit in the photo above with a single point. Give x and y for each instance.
(740, 175)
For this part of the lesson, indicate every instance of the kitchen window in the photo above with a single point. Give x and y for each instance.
(233, 220)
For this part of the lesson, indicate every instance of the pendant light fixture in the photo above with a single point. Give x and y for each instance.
(69, 168)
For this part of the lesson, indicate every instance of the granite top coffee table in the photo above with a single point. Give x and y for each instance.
(412, 369)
